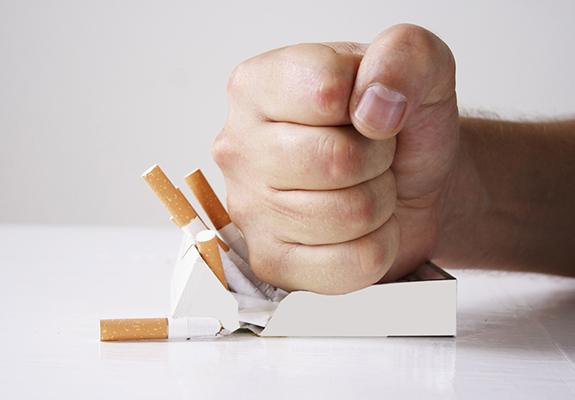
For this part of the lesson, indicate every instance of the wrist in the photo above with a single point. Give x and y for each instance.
(508, 202)
(462, 202)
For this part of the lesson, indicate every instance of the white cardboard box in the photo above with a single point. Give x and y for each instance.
(424, 304)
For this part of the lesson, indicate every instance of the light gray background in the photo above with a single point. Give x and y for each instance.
(92, 93)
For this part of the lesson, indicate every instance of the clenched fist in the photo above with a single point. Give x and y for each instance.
(336, 157)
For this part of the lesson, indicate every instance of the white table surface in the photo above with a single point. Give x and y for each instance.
(516, 334)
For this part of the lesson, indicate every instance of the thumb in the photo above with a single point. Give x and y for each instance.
(404, 68)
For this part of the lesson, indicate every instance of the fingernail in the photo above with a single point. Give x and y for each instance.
(381, 108)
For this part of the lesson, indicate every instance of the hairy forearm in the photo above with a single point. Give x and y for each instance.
(511, 200)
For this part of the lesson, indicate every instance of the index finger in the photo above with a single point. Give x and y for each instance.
(306, 84)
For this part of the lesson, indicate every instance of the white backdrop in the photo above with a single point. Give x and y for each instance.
(92, 93)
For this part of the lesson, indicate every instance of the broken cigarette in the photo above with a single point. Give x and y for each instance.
(183, 215)
(216, 212)
(207, 245)
(221, 220)
(181, 211)
(158, 328)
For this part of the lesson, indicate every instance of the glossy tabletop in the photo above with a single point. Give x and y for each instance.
(516, 333)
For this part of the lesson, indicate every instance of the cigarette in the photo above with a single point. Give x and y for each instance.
(180, 209)
(207, 245)
(184, 216)
(208, 199)
(216, 212)
(221, 220)
(158, 328)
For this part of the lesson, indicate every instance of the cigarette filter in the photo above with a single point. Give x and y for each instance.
(207, 245)
(180, 209)
(208, 199)
(158, 328)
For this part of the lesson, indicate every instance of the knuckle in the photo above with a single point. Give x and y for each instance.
(238, 78)
(415, 38)
(223, 152)
(331, 91)
(427, 53)
(339, 159)
(236, 208)
(373, 259)
(328, 77)
(360, 208)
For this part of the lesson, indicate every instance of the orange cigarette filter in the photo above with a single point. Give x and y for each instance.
(133, 329)
(223, 244)
(207, 245)
(173, 199)
(208, 199)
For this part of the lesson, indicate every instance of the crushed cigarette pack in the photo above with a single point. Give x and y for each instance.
(423, 304)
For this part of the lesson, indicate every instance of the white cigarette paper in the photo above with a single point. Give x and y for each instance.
(233, 237)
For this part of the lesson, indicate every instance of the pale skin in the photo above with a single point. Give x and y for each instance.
(347, 164)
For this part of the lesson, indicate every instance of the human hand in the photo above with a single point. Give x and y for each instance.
(336, 157)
